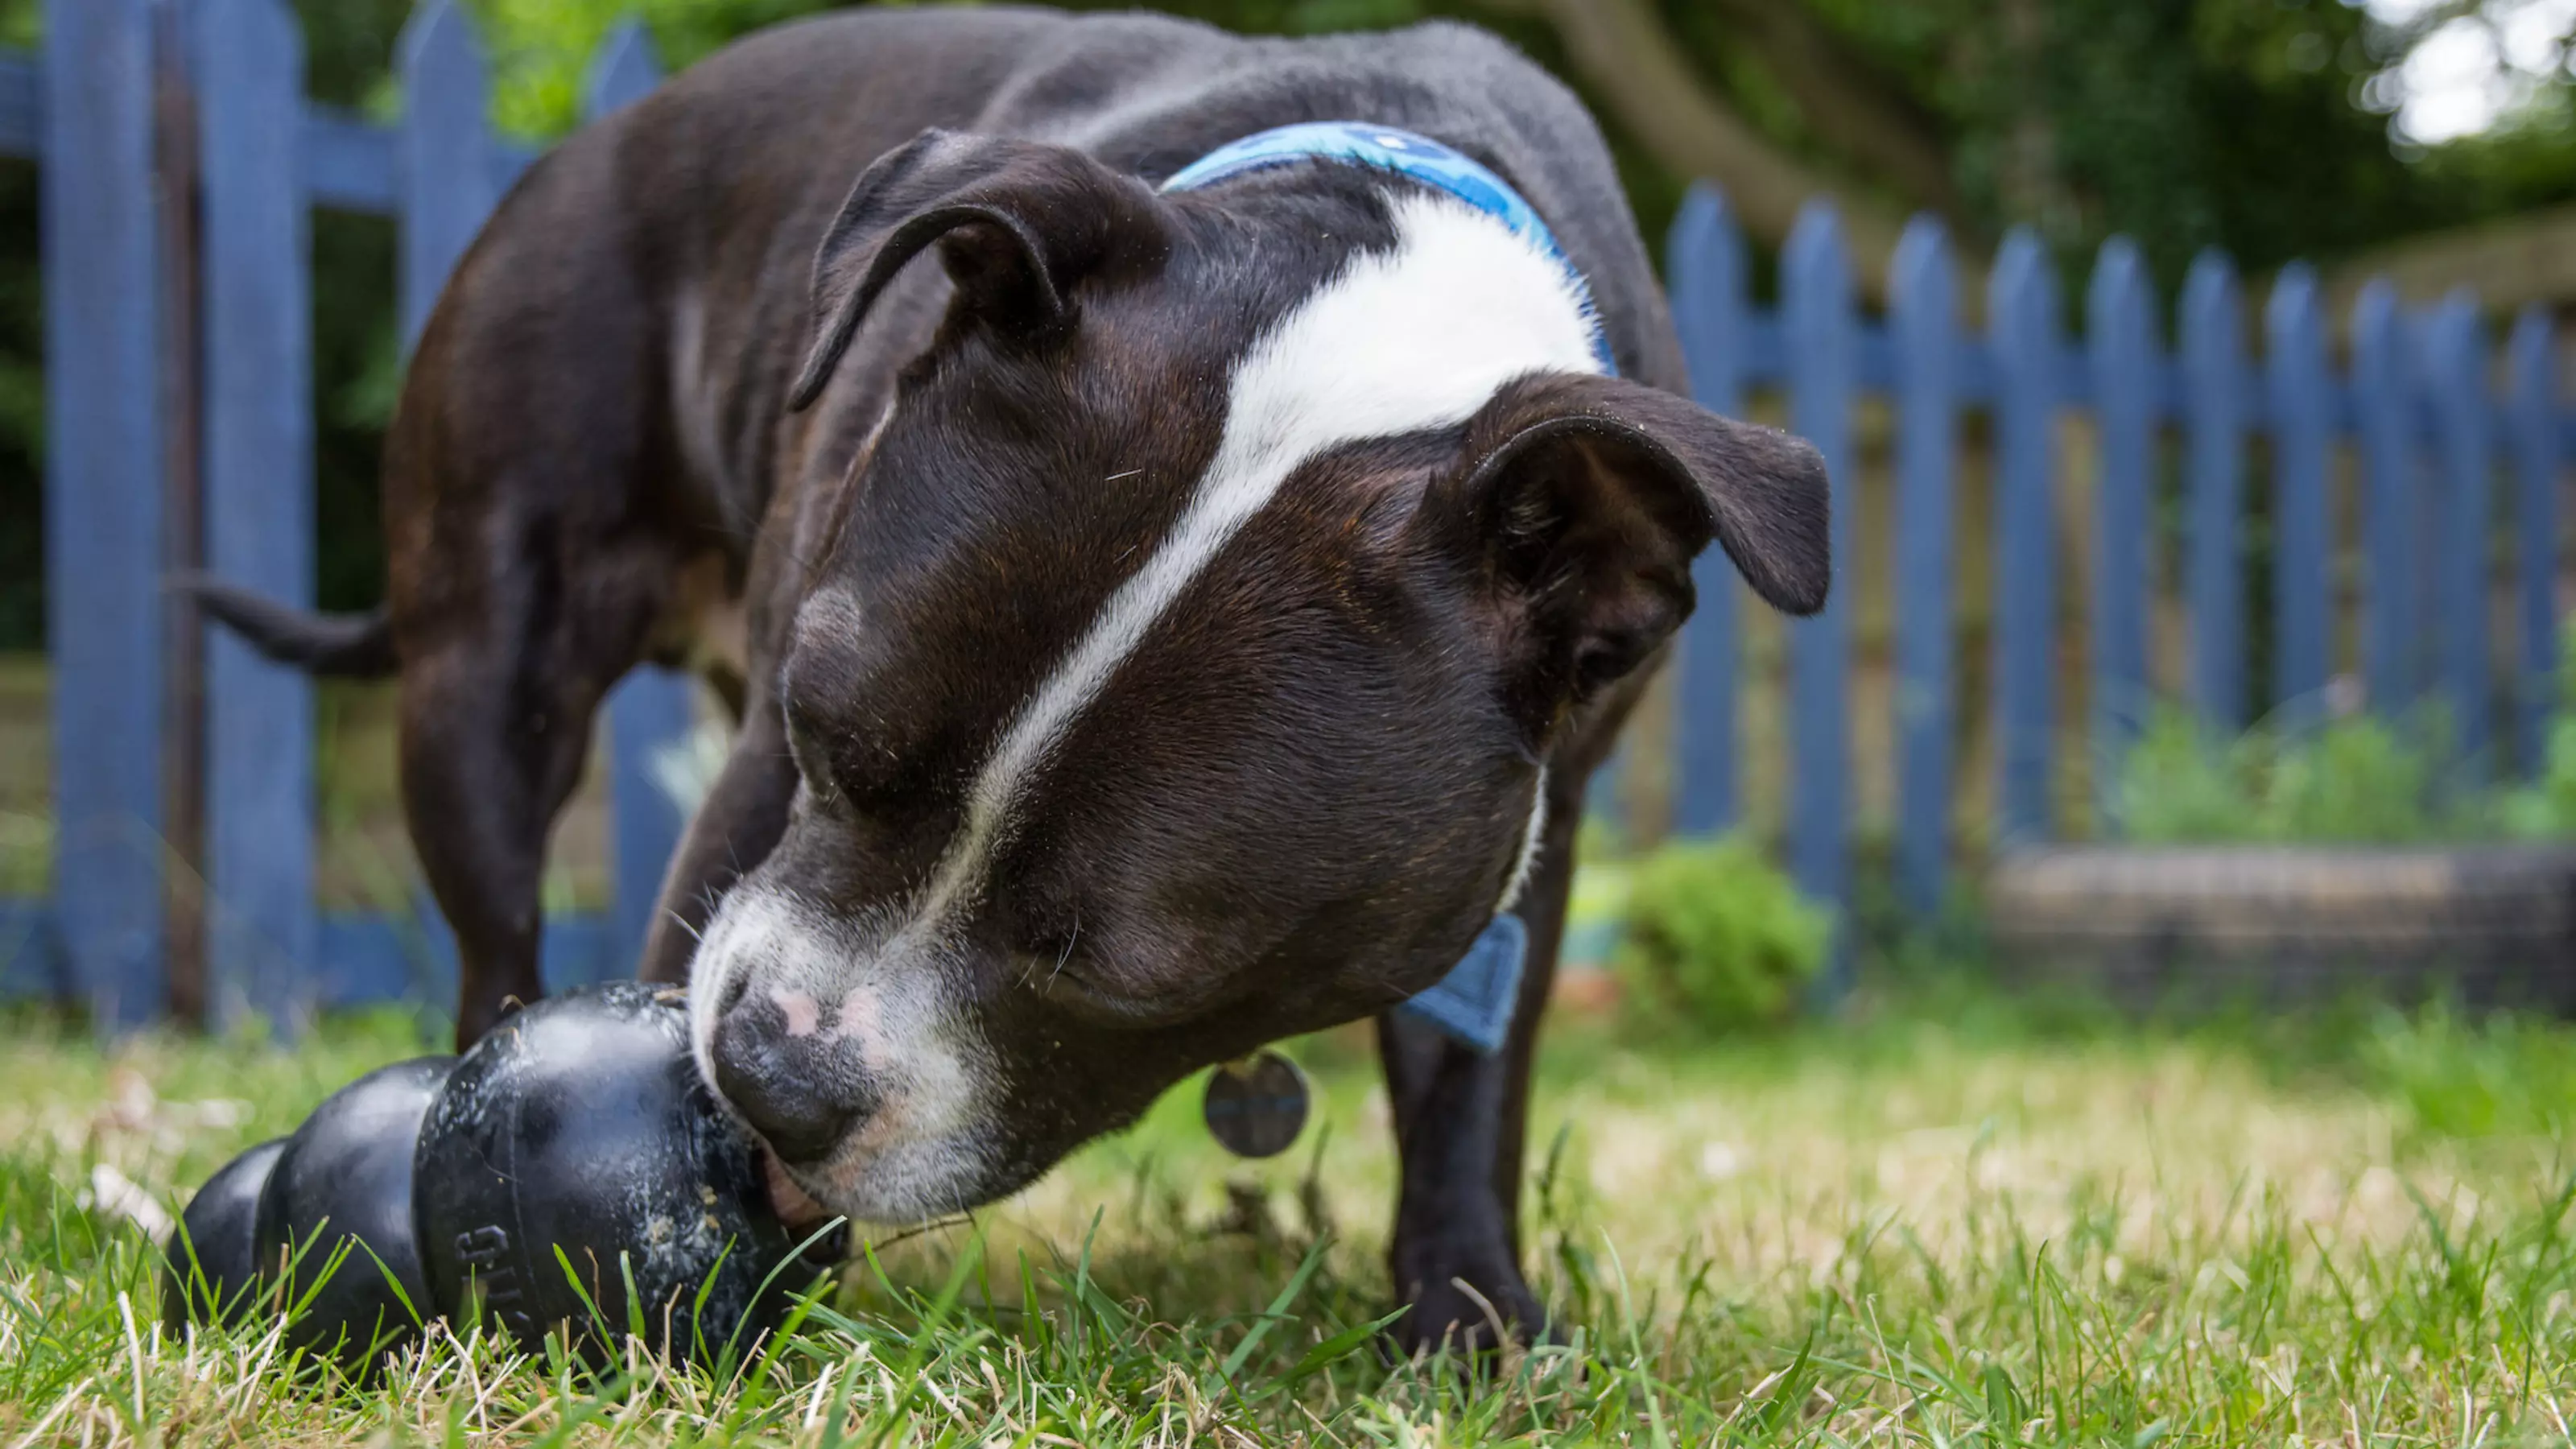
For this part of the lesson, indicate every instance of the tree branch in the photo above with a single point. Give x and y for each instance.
(1636, 67)
(1851, 105)
(2509, 261)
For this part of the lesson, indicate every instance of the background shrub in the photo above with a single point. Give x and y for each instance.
(1715, 937)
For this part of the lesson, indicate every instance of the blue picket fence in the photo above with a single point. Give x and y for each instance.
(2415, 405)
(2418, 408)
(267, 157)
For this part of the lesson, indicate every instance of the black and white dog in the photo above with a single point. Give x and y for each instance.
(1164, 619)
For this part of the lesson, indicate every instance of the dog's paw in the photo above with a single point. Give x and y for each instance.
(1471, 1312)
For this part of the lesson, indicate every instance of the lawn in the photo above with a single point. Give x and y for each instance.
(1940, 1219)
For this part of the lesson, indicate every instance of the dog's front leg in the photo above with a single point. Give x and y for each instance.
(1460, 1119)
(734, 829)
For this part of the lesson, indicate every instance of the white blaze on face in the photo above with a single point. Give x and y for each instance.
(1406, 340)
(1411, 339)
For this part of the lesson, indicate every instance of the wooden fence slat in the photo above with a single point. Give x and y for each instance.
(445, 153)
(1816, 305)
(2383, 405)
(2532, 400)
(2455, 356)
(103, 511)
(22, 106)
(2214, 388)
(2022, 303)
(1924, 321)
(257, 257)
(2120, 339)
(2302, 404)
(623, 72)
(649, 712)
(1706, 254)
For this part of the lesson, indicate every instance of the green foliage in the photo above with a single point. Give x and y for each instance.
(2180, 123)
(2462, 1076)
(2355, 781)
(1716, 937)
(2546, 807)
(2360, 780)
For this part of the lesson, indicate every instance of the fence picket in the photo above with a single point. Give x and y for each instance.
(2532, 404)
(2121, 335)
(261, 925)
(103, 503)
(649, 711)
(2455, 371)
(1817, 318)
(2302, 437)
(2383, 418)
(2022, 303)
(445, 153)
(1707, 264)
(1923, 316)
(2214, 389)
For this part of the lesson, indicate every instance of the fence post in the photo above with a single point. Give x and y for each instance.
(2455, 356)
(1706, 254)
(445, 153)
(2214, 387)
(2120, 331)
(1816, 300)
(2302, 434)
(2533, 437)
(2022, 306)
(103, 506)
(1924, 318)
(259, 501)
(649, 711)
(2383, 418)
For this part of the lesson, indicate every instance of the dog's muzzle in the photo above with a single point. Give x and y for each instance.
(802, 1089)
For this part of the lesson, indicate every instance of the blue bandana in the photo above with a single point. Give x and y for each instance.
(1407, 154)
(1474, 1003)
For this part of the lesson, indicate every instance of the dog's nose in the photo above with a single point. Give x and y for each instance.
(802, 1091)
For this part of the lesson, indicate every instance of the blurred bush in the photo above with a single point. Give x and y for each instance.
(2546, 807)
(1715, 938)
(2458, 1075)
(2360, 780)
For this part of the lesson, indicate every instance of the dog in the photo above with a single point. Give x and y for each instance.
(1161, 619)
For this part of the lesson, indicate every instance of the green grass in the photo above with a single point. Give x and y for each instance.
(1947, 1219)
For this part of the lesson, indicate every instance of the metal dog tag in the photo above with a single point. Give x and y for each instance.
(1256, 1106)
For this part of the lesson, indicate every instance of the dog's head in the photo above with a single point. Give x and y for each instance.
(1180, 671)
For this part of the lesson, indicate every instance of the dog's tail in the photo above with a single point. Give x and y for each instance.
(348, 646)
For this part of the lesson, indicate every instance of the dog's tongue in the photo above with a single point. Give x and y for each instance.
(794, 1205)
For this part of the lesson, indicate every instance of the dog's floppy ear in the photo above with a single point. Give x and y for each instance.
(1582, 500)
(1017, 222)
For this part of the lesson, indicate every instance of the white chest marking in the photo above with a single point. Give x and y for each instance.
(1413, 338)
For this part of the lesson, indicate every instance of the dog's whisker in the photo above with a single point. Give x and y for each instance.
(950, 1220)
(1067, 953)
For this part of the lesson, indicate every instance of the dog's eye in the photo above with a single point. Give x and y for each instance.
(1058, 969)
(1054, 951)
(812, 761)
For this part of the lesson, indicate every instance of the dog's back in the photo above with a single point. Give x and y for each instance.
(700, 202)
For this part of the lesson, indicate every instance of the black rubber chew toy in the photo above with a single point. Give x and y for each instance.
(574, 1144)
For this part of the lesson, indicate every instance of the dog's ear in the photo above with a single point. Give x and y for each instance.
(1580, 502)
(1017, 222)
